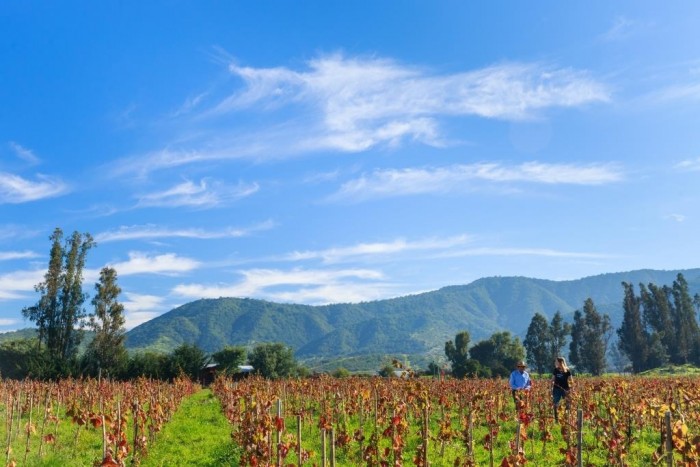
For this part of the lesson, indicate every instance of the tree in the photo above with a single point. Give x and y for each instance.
(588, 339)
(538, 343)
(187, 359)
(273, 360)
(656, 305)
(633, 338)
(230, 357)
(559, 331)
(576, 344)
(500, 353)
(457, 353)
(107, 351)
(149, 365)
(687, 335)
(60, 307)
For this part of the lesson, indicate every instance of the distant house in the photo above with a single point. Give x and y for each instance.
(207, 374)
(243, 372)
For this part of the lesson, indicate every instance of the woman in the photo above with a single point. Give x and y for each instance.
(562, 383)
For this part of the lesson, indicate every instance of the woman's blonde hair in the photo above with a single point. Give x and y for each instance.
(562, 362)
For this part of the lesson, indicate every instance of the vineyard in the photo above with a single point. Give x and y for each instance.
(391, 422)
(85, 422)
(328, 421)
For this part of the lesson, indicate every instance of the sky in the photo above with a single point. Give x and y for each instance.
(333, 151)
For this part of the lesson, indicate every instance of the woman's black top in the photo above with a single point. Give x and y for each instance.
(561, 379)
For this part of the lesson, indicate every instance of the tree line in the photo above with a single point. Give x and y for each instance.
(659, 327)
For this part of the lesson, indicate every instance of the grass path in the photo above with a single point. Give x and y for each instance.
(197, 435)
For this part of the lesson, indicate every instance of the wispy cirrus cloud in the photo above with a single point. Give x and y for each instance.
(143, 263)
(311, 286)
(622, 28)
(23, 153)
(205, 194)
(376, 249)
(15, 189)
(353, 104)
(689, 165)
(154, 232)
(512, 251)
(10, 255)
(455, 178)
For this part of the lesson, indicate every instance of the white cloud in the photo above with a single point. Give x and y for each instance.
(18, 284)
(411, 181)
(678, 92)
(334, 255)
(319, 286)
(543, 252)
(353, 104)
(140, 308)
(15, 189)
(9, 255)
(25, 154)
(141, 263)
(8, 322)
(148, 232)
(690, 165)
(677, 217)
(203, 195)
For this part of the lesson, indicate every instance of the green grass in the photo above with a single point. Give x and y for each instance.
(197, 435)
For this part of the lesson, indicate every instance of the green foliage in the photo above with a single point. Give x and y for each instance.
(633, 339)
(457, 352)
(230, 357)
(659, 325)
(500, 353)
(273, 360)
(187, 359)
(538, 343)
(149, 365)
(106, 352)
(340, 373)
(589, 335)
(59, 310)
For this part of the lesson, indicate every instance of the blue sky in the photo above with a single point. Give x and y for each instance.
(322, 152)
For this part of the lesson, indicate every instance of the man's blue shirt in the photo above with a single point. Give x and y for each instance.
(520, 380)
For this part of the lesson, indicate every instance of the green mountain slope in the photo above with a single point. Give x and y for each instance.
(415, 324)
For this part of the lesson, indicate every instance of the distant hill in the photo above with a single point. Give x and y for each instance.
(415, 324)
(27, 333)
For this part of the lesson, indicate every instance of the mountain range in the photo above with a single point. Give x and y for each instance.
(414, 326)
(410, 325)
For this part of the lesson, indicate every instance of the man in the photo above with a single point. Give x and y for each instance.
(520, 383)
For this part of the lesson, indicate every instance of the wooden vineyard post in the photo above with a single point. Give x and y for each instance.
(470, 434)
(669, 440)
(579, 437)
(323, 447)
(279, 433)
(332, 446)
(29, 425)
(426, 426)
(299, 457)
(517, 437)
(104, 429)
